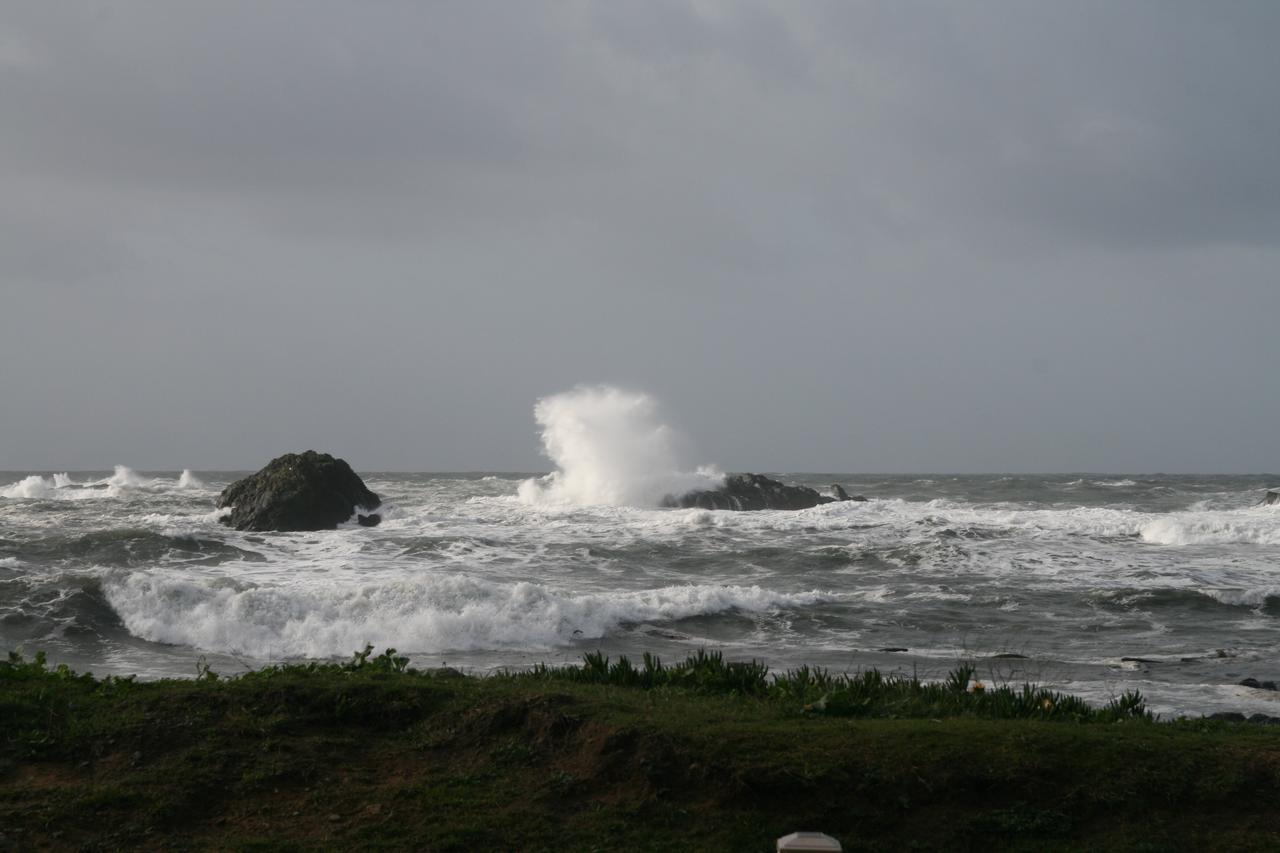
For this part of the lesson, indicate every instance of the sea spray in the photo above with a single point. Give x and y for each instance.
(611, 447)
(188, 480)
(34, 486)
(126, 477)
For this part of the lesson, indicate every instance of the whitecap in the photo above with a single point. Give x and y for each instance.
(34, 486)
(1243, 527)
(1256, 597)
(452, 612)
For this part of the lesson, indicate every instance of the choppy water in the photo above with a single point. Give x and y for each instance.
(132, 573)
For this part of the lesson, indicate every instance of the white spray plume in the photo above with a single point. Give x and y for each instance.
(611, 447)
(187, 480)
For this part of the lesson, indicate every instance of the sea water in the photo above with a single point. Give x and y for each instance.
(1092, 583)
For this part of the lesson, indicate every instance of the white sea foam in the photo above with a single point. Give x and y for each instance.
(452, 612)
(611, 447)
(1242, 526)
(1239, 527)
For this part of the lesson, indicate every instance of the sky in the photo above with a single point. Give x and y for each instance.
(829, 236)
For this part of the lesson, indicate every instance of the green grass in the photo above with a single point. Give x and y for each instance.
(867, 694)
(700, 755)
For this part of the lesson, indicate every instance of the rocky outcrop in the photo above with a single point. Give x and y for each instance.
(752, 492)
(1237, 717)
(1259, 685)
(842, 495)
(299, 491)
(1271, 499)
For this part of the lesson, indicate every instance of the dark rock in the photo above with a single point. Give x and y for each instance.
(750, 492)
(893, 649)
(297, 491)
(370, 520)
(1253, 719)
(1138, 660)
(1271, 499)
(1009, 656)
(1258, 685)
(1228, 716)
(842, 495)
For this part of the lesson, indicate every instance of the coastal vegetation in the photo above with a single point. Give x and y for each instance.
(702, 754)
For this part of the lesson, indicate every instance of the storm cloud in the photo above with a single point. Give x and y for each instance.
(904, 236)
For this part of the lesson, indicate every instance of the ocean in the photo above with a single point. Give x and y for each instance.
(1091, 583)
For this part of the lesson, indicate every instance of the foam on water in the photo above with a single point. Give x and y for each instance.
(611, 447)
(432, 614)
(1239, 527)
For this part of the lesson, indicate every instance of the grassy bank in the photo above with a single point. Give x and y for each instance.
(607, 756)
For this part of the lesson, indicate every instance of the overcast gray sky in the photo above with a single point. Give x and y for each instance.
(895, 236)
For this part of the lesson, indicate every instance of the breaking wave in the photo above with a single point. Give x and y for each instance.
(441, 613)
(1242, 527)
(34, 486)
(122, 481)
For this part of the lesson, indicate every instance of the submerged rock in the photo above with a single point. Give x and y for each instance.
(751, 492)
(842, 495)
(1259, 685)
(1229, 717)
(1237, 717)
(299, 491)
(1271, 499)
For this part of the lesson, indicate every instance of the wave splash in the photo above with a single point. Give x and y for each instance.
(34, 486)
(442, 613)
(188, 480)
(611, 447)
(122, 481)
